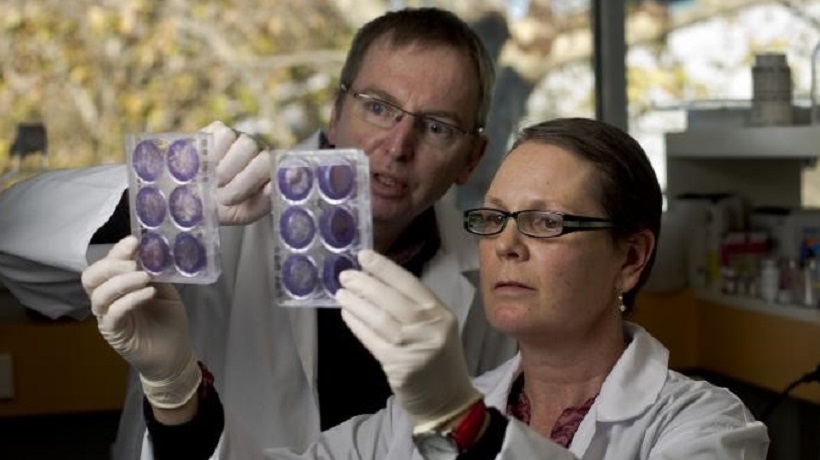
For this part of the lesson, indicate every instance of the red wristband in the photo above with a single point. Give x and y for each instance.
(466, 432)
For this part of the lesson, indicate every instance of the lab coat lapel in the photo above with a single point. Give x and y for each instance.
(632, 386)
(305, 334)
(445, 278)
(303, 320)
(446, 273)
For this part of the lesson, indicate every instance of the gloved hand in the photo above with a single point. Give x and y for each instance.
(243, 176)
(412, 335)
(145, 323)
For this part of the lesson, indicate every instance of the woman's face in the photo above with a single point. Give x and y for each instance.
(538, 288)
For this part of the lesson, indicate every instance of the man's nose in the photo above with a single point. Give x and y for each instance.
(401, 140)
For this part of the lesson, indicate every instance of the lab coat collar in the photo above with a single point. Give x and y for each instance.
(632, 386)
(637, 378)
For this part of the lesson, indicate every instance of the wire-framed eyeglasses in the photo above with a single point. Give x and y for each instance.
(530, 222)
(382, 114)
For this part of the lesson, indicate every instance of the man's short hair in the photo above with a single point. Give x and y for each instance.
(425, 26)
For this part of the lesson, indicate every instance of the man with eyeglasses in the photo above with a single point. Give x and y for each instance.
(414, 95)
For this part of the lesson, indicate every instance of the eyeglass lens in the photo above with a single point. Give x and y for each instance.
(385, 115)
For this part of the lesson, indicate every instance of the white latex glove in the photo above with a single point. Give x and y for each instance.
(145, 323)
(243, 176)
(412, 335)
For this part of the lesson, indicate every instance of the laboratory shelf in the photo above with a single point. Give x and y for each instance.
(788, 311)
(748, 142)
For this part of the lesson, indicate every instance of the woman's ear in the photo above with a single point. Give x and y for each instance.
(639, 249)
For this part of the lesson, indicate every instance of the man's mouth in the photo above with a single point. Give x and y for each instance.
(385, 185)
(388, 181)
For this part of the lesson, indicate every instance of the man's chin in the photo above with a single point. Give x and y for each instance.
(390, 220)
(387, 211)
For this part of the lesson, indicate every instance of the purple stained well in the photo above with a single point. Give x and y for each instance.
(336, 181)
(297, 227)
(183, 160)
(335, 264)
(189, 254)
(186, 206)
(147, 161)
(150, 207)
(153, 253)
(299, 275)
(294, 181)
(337, 227)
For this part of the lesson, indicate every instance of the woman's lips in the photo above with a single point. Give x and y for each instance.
(511, 287)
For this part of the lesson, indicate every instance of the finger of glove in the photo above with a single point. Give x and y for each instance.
(252, 179)
(223, 137)
(167, 292)
(372, 314)
(118, 260)
(112, 323)
(384, 298)
(395, 276)
(115, 288)
(254, 207)
(372, 339)
(239, 154)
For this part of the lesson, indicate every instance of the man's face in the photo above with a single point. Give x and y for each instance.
(408, 174)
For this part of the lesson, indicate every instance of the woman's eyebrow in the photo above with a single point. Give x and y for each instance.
(533, 204)
(490, 201)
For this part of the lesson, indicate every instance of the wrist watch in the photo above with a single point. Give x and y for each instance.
(449, 444)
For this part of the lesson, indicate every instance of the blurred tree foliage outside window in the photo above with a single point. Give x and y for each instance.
(93, 71)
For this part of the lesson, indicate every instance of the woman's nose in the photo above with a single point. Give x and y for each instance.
(510, 242)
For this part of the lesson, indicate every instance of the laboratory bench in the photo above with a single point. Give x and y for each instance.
(57, 366)
(746, 339)
(64, 366)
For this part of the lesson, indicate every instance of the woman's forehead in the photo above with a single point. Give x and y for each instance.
(540, 173)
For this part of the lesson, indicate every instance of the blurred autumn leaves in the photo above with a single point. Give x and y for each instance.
(92, 71)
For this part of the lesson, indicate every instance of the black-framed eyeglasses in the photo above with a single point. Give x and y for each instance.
(382, 114)
(530, 222)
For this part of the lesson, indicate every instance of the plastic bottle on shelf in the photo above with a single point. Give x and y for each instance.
(769, 280)
(790, 275)
(809, 298)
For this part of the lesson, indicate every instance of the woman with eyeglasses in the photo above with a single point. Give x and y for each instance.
(567, 235)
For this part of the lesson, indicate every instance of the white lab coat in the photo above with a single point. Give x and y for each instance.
(263, 357)
(643, 411)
